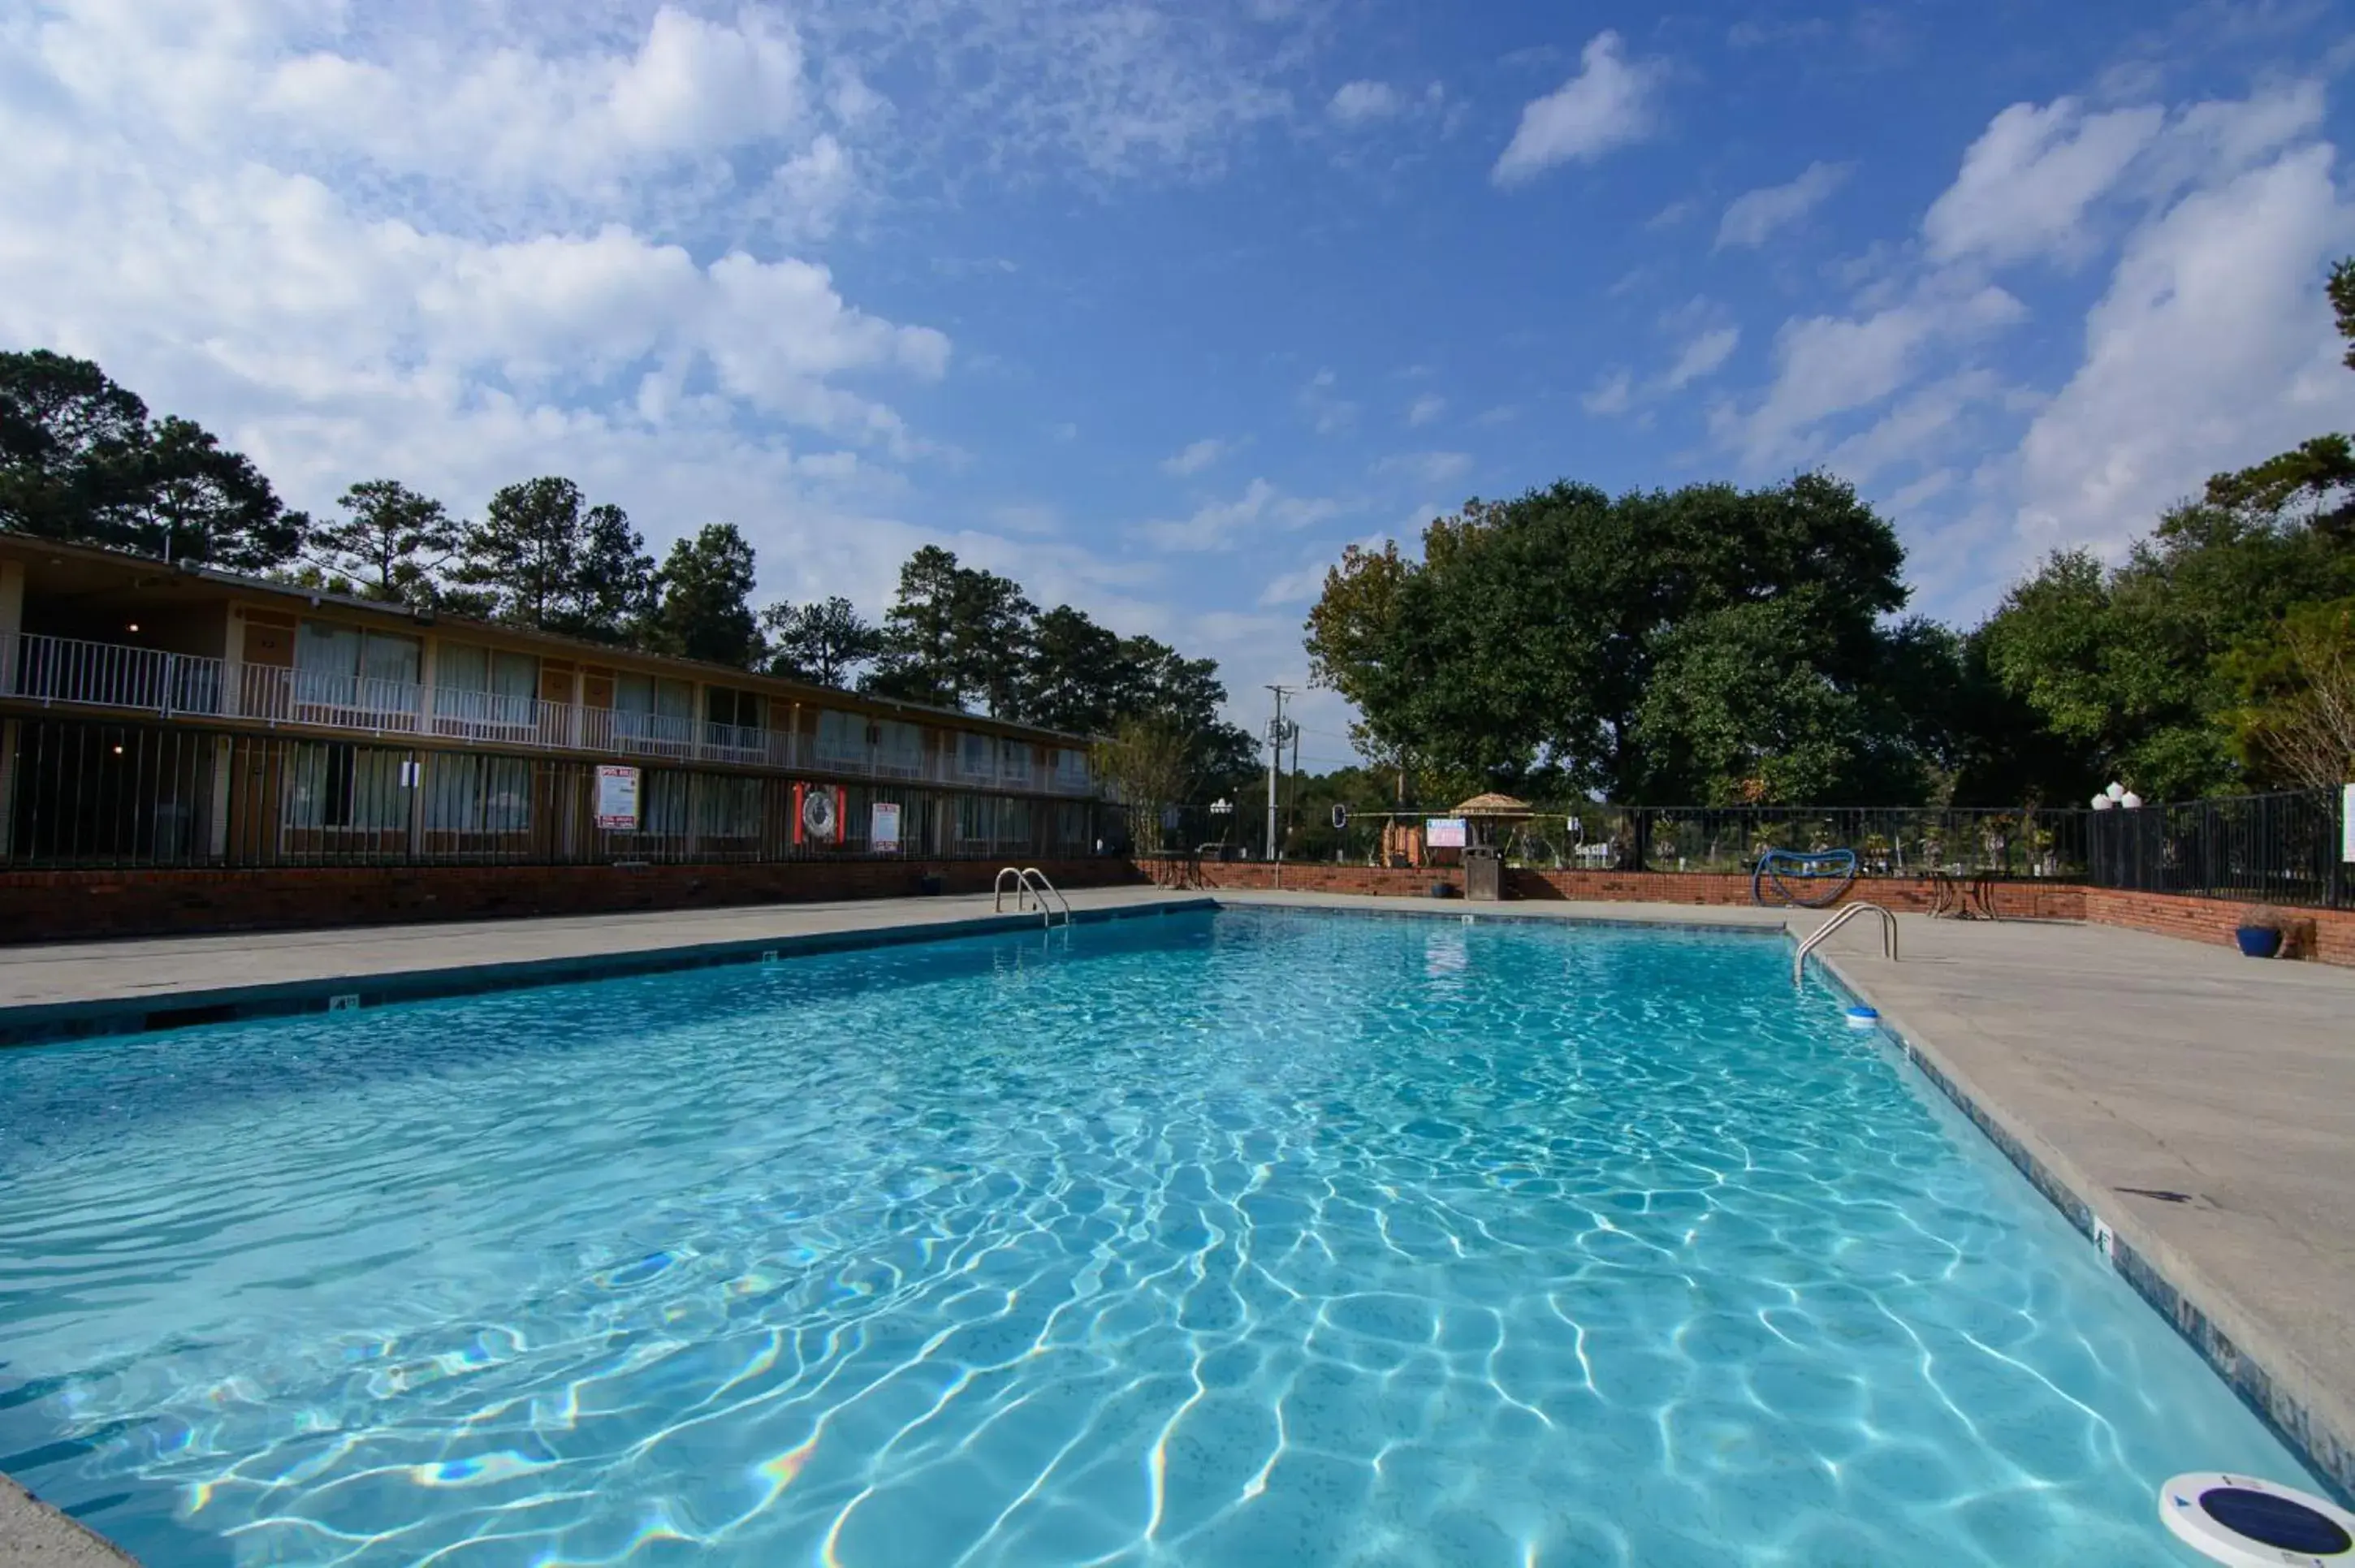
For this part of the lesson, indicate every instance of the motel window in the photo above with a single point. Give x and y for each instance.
(332, 785)
(1014, 760)
(652, 708)
(477, 794)
(484, 685)
(1070, 767)
(899, 749)
(663, 802)
(737, 709)
(346, 667)
(727, 808)
(974, 755)
(841, 739)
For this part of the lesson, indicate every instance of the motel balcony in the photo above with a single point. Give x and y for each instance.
(75, 674)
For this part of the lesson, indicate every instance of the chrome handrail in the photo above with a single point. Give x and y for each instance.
(1029, 880)
(1847, 913)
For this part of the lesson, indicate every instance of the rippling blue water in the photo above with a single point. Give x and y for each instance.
(1256, 1237)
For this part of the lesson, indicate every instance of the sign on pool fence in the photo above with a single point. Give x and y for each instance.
(617, 798)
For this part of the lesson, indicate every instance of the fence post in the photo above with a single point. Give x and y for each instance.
(1643, 835)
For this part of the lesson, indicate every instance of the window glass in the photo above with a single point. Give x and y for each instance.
(841, 738)
(477, 794)
(515, 675)
(330, 785)
(390, 659)
(324, 649)
(901, 747)
(728, 807)
(458, 666)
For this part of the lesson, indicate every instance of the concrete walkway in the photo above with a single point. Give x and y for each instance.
(2201, 1104)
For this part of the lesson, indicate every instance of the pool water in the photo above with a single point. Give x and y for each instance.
(1261, 1237)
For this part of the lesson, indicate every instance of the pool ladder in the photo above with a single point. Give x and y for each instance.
(1029, 880)
(1848, 912)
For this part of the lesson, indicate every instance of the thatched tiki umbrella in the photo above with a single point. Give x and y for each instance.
(1490, 818)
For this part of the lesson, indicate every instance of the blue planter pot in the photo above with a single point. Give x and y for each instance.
(2258, 942)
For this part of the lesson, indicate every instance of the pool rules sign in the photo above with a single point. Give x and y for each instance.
(617, 798)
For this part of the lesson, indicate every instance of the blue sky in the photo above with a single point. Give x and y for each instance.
(1155, 307)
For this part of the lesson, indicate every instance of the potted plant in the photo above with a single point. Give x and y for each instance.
(2260, 931)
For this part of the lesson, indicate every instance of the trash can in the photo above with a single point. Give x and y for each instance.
(1484, 873)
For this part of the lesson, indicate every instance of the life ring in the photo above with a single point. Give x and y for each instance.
(818, 816)
(2248, 1523)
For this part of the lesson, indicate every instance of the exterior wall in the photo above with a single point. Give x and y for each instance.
(59, 906)
(2332, 940)
(2016, 900)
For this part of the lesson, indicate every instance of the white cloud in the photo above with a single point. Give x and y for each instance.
(2027, 182)
(1425, 409)
(1196, 457)
(1753, 218)
(1261, 509)
(1296, 587)
(1362, 103)
(1608, 104)
(1614, 394)
(1328, 412)
(1827, 365)
(2212, 348)
(1427, 468)
(1704, 356)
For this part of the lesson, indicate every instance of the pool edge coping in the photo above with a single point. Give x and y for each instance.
(2269, 1378)
(49, 1023)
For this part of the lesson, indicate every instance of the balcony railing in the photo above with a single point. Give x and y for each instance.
(70, 672)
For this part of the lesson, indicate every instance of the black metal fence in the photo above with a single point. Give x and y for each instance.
(105, 795)
(2287, 847)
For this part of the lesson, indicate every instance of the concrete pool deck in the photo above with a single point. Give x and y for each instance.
(2192, 1110)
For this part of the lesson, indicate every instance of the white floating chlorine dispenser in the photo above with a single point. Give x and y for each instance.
(2250, 1523)
(1863, 1017)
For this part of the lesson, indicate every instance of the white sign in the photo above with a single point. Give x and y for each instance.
(883, 834)
(617, 797)
(1444, 832)
(2346, 822)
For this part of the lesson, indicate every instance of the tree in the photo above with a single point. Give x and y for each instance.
(80, 460)
(706, 607)
(199, 501)
(919, 659)
(1524, 646)
(954, 637)
(1072, 680)
(390, 545)
(823, 641)
(2129, 665)
(989, 640)
(1148, 763)
(2296, 719)
(544, 562)
(70, 446)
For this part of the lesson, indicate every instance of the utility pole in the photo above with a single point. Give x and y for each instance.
(1274, 755)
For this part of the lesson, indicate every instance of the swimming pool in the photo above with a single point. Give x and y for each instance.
(1260, 1237)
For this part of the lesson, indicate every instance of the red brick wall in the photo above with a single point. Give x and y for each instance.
(2213, 920)
(54, 906)
(2013, 901)
(2020, 901)
(1305, 878)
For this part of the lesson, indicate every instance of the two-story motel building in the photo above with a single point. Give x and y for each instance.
(154, 715)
